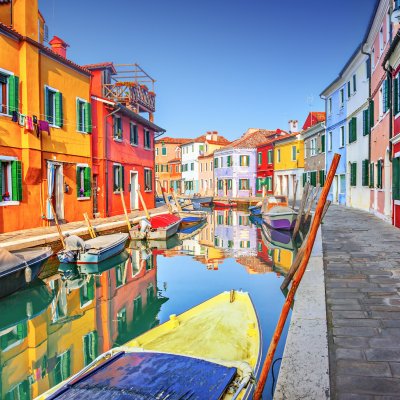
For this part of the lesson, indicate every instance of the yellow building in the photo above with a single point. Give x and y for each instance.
(288, 165)
(45, 118)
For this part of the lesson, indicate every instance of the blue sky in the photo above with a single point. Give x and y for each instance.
(224, 65)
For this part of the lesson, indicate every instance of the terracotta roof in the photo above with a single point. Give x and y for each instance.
(106, 64)
(314, 117)
(203, 138)
(174, 160)
(252, 139)
(207, 156)
(171, 140)
(289, 135)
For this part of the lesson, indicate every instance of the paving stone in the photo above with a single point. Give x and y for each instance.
(356, 322)
(352, 396)
(385, 342)
(382, 354)
(351, 342)
(355, 331)
(363, 368)
(349, 354)
(368, 385)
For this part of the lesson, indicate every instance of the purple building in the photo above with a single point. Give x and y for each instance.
(235, 168)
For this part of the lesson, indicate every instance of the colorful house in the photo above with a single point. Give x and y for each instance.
(123, 140)
(45, 120)
(335, 136)
(202, 145)
(206, 174)
(289, 162)
(235, 167)
(168, 162)
(313, 134)
(377, 42)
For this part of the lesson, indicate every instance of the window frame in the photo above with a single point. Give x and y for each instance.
(134, 134)
(146, 172)
(82, 102)
(146, 134)
(342, 137)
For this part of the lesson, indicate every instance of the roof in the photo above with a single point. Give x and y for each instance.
(392, 47)
(252, 139)
(171, 140)
(288, 136)
(203, 138)
(313, 118)
(174, 160)
(102, 65)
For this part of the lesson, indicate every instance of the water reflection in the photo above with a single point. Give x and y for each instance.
(57, 326)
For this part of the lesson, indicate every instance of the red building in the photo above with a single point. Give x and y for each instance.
(122, 139)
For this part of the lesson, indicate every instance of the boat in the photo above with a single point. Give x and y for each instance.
(171, 243)
(159, 227)
(225, 204)
(96, 250)
(280, 217)
(191, 231)
(277, 239)
(202, 199)
(211, 351)
(191, 219)
(19, 268)
(255, 210)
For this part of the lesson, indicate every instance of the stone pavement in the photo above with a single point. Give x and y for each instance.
(362, 277)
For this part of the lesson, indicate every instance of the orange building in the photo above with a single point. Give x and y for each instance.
(45, 146)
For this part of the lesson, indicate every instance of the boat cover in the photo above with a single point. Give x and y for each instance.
(281, 210)
(164, 220)
(106, 241)
(192, 219)
(146, 375)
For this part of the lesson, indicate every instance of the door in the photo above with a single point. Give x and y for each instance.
(58, 192)
(134, 194)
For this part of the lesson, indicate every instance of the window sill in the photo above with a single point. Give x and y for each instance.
(134, 144)
(148, 191)
(83, 198)
(9, 203)
(5, 115)
(117, 140)
(116, 191)
(396, 202)
(147, 148)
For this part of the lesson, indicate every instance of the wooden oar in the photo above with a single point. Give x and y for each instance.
(57, 224)
(178, 206)
(297, 279)
(92, 233)
(143, 204)
(128, 223)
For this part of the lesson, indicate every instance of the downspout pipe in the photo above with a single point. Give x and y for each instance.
(106, 154)
(369, 96)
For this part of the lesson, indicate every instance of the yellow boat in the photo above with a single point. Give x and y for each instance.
(211, 351)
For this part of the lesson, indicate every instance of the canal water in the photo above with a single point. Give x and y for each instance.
(62, 322)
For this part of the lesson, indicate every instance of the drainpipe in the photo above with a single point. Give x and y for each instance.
(369, 96)
(106, 153)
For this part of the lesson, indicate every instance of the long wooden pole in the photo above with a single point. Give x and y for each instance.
(89, 225)
(146, 211)
(301, 209)
(297, 279)
(295, 193)
(128, 223)
(57, 224)
(178, 206)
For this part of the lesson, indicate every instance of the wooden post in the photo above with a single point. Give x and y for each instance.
(301, 209)
(143, 204)
(295, 193)
(128, 223)
(57, 224)
(178, 206)
(303, 265)
(312, 198)
(92, 233)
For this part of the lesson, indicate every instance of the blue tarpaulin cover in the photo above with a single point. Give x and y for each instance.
(151, 376)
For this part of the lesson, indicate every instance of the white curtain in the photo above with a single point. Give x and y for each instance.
(50, 188)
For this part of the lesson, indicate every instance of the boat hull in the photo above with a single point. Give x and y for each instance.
(189, 222)
(163, 233)
(224, 204)
(284, 222)
(202, 200)
(279, 239)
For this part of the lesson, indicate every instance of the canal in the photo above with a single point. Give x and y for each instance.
(54, 328)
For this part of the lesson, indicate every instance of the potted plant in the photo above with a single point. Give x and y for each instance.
(6, 196)
(81, 192)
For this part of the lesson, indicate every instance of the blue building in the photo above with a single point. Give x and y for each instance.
(336, 96)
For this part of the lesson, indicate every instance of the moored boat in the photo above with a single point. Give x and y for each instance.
(94, 250)
(211, 351)
(20, 268)
(280, 217)
(159, 227)
(224, 204)
(277, 239)
(202, 199)
(191, 221)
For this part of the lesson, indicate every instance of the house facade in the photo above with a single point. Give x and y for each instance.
(335, 136)
(265, 168)
(206, 174)
(235, 166)
(313, 134)
(45, 152)
(123, 145)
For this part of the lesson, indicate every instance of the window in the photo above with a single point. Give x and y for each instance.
(83, 115)
(244, 220)
(353, 130)
(62, 369)
(385, 96)
(229, 184)
(148, 180)
(90, 347)
(373, 59)
(150, 293)
(156, 167)
(329, 141)
(147, 139)
(134, 135)
(53, 106)
(342, 188)
(244, 244)
(215, 162)
(9, 93)
(348, 89)
(269, 183)
(294, 153)
(396, 92)
(381, 45)
(244, 161)
(354, 83)
(244, 184)
(83, 181)
(192, 148)
(342, 137)
(156, 151)
(341, 98)
(330, 105)
(353, 174)
(211, 165)
(119, 181)
(229, 161)
(16, 334)
(396, 178)
(278, 155)
(120, 275)
(163, 151)
(189, 185)
(10, 180)
(371, 175)
(270, 156)
(192, 166)
(322, 143)
(117, 127)
(121, 321)
(86, 292)
(176, 168)
(379, 166)
(365, 170)
(259, 158)
(21, 391)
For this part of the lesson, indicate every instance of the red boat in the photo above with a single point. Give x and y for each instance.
(225, 204)
(161, 228)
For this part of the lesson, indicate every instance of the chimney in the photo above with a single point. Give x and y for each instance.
(59, 46)
(293, 125)
(214, 136)
(209, 135)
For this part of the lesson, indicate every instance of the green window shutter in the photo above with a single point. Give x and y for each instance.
(386, 95)
(321, 177)
(115, 168)
(78, 117)
(22, 330)
(215, 162)
(304, 178)
(379, 174)
(123, 177)
(371, 175)
(371, 115)
(396, 95)
(4, 341)
(88, 118)
(13, 94)
(259, 158)
(353, 174)
(365, 123)
(323, 143)
(350, 130)
(90, 289)
(59, 109)
(87, 181)
(348, 89)
(396, 179)
(78, 180)
(230, 184)
(16, 177)
(365, 173)
(354, 126)
(313, 178)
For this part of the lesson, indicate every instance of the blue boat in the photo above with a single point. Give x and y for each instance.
(255, 210)
(96, 250)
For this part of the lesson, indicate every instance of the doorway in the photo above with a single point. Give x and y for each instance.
(55, 190)
(134, 194)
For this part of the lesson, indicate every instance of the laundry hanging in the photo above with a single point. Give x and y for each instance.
(29, 124)
(44, 126)
(21, 119)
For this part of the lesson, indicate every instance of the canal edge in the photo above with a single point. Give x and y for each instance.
(304, 371)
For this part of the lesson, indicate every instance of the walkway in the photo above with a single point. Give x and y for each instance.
(362, 275)
(48, 235)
